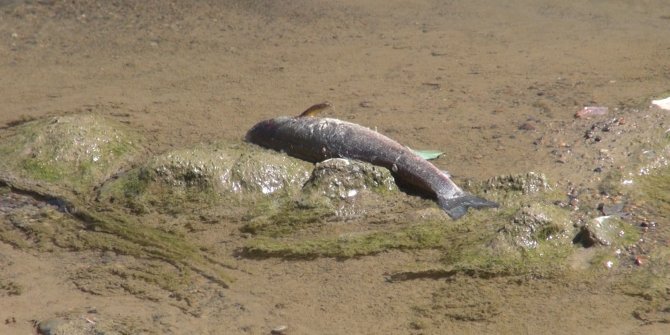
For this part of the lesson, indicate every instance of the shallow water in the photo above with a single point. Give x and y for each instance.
(493, 84)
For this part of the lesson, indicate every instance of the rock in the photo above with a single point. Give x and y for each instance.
(83, 324)
(534, 224)
(348, 188)
(60, 326)
(340, 178)
(267, 172)
(50, 327)
(223, 174)
(279, 330)
(527, 126)
(199, 168)
(528, 183)
(77, 151)
(230, 169)
(603, 230)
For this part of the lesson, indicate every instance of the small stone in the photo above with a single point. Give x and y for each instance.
(279, 330)
(603, 230)
(590, 111)
(527, 126)
(50, 327)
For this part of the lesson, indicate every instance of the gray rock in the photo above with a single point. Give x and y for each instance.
(267, 172)
(534, 224)
(340, 178)
(603, 230)
(348, 188)
(60, 326)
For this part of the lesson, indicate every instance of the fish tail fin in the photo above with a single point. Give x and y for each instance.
(457, 206)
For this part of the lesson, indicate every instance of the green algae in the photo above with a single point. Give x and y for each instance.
(337, 190)
(423, 236)
(127, 236)
(653, 193)
(75, 151)
(138, 191)
(275, 219)
(223, 175)
(88, 227)
(41, 170)
(528, 235)
(60, 161)
(342, 209)
(645, 275)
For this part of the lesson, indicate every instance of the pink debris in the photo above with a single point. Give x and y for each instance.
(589, 111)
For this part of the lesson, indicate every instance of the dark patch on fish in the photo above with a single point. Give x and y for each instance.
(316, 139)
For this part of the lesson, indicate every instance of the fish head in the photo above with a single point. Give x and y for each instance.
(266, 132)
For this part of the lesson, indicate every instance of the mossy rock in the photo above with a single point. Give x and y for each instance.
(48, 175)
(340, 178)
(224, 175)
(533, 224)
(76, 152)
(338, 190)
(349, 188)
(529, 235)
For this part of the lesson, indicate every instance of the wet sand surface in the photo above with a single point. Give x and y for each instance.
(479, 80)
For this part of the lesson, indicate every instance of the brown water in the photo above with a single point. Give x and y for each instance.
(480, 80)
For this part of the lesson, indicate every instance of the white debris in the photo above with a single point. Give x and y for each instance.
(662, 103)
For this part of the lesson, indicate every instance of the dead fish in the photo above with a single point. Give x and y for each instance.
(316, 139)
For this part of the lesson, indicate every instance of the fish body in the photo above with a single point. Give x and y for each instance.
(316, 139)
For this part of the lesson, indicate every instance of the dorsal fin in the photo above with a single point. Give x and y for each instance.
(315, 109)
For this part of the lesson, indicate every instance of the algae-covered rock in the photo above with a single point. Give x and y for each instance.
(267, 172)
(222, 174)
(340, 178)
(199, 168)
(48, 172)
(518, 238)
(76, 151)
(528, 183)
(349, 188)
(89, 323)
(533, 224)
(337, 190)
(606, 231)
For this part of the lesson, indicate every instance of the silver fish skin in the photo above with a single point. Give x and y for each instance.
(316, 139)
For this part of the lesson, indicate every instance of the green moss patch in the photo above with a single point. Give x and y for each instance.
(427, 235)
(76, 151)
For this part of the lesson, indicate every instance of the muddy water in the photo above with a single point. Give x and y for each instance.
(493, 84)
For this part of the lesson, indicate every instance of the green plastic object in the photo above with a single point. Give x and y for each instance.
(428, 154)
